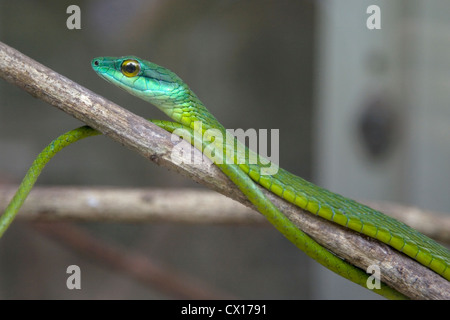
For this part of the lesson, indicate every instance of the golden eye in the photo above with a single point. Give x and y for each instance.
(130, 68)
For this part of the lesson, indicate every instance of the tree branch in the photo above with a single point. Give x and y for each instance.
(131, 206)
(187, 206)
(141, 136)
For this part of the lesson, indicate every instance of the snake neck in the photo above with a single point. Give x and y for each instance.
(192, 113)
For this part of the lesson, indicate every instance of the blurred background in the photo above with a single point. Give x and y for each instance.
(361, 112)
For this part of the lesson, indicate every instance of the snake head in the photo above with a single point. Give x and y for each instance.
(146, 80)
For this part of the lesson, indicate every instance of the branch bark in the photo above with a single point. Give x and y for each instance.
(153, 143)
(186, 206)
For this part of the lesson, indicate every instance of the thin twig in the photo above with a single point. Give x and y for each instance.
(398, 271)
(186, 206)
(154, 274)
(122, 205)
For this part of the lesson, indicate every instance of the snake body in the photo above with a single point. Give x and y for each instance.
(164, 89)
(169, 93)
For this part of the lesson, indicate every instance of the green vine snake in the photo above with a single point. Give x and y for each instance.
(164, 89)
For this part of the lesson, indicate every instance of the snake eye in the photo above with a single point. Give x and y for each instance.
(130, 68)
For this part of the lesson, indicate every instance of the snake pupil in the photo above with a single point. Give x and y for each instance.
(130, 68)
